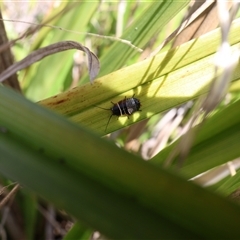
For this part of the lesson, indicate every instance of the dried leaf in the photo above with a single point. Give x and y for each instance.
(206, 21)
(225, 60)
(7, 59)
(189, 20)
(93, 62)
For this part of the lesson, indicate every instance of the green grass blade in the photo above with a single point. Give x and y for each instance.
(228, 186)
(154, 18)
(217, 142)
(78, 231)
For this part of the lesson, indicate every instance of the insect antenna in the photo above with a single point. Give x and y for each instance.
(103, 108)
(109, 117)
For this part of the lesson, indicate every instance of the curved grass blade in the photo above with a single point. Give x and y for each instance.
(93, 62)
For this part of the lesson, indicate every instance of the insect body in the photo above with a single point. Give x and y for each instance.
(125, 107)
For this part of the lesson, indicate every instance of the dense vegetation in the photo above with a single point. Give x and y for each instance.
(60, 169)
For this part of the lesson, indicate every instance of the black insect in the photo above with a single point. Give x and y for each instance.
(125, 107)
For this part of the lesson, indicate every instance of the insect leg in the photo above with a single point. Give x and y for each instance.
(108, 122)
(102, 108)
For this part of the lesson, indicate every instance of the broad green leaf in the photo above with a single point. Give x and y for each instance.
(117, 193)
(162, 82)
